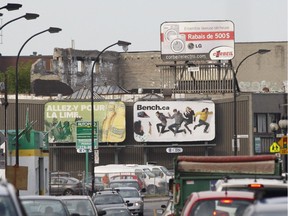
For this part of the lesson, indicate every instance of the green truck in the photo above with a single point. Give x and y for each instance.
(200, 173)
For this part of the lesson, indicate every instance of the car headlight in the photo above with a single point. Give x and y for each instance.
(138, 203)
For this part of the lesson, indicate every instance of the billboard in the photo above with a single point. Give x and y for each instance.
(172, 121)
(204, 40)
(61, 117)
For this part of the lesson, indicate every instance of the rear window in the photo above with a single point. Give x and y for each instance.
(261, 192)
(226, 206)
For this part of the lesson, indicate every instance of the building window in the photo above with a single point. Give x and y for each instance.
(263, 120)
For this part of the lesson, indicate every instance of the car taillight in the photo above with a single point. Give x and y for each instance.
(226, 201)
(220, 213)
(255, 186)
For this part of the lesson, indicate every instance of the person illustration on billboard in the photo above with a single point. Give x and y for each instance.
(202, 119)
(179, 118)
(190, 116)
(162, 124)
(139, 134)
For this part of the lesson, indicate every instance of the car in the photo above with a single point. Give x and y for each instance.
(125, 183)
(132, 196)
(266, 207)
(129, 176)
(38, 205)
(216, 203)
(264, 188)
(60, 173)
(81, 204)
(98, 185)
(117, 211)
(10, 204)
(108, 199)
(168, 209)
(65, 186)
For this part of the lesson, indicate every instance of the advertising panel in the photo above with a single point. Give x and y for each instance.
(204, 40)
(61, 117)
(172, 121)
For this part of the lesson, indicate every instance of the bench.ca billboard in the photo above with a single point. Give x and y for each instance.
(61, 117)
(204, 40)
(172, 121)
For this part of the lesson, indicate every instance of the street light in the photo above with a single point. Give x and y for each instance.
(51, 30)
(27, 16)
(124, 45)
(236, 88)
(11, 6)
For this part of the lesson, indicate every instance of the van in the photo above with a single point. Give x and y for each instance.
(153, 184)
(159, 171)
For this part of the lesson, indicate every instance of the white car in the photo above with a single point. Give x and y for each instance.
(264, 188)
(133, 198)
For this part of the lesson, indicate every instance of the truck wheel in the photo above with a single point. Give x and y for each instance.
(151, 189)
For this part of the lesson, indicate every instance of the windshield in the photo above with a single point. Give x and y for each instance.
(128, 193)
(108, 199)
(149, 173)
(6, 205)
(82, 207)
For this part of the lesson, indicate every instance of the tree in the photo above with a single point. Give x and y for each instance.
(23, 76)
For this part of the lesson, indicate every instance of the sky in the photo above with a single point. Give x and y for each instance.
(96, 24)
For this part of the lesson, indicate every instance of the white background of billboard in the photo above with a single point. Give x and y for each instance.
(197, 135)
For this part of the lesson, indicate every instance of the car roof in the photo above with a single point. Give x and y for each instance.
(124, 180)
(37, 197)
(125, 188)
(239, 182)
(106, 192)
(224, 194)
(76, 197)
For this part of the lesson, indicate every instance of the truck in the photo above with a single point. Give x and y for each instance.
(200, 173)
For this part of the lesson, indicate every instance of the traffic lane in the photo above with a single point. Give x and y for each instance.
(151, 205)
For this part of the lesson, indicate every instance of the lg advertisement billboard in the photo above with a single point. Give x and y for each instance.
(172, 121)
(61, 120)
(204, 40)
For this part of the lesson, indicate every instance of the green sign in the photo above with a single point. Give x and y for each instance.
(83, 136)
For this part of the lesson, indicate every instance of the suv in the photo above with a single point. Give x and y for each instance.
(9, 202)
(108, 199)
(264, 188)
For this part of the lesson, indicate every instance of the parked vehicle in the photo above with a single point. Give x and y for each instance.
(98, 185)
(65, 186)
(60, 174)
(82, 205)
(153, 184)
(140, 181)
(200, 173)
(217, 203)
(132, 196)
(10, 204)
(270, 206)
(108, 199)
(36, 205)
(159, 171)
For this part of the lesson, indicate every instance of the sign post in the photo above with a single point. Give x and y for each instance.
(83, 139)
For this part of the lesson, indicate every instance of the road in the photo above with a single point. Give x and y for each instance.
(152, 204)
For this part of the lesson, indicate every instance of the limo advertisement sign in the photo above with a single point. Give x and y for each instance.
(172, 121)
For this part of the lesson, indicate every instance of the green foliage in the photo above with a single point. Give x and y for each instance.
(24, 84)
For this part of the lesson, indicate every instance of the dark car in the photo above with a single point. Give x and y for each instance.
(117, 211)
(65, 186)
(108, 199)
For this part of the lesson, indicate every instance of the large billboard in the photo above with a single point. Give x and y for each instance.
(172, 121)
(61, 117)
(204, 40)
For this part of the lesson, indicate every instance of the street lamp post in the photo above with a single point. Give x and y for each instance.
(11, 6)
(50, 30)
(124, 45)
(236, 88)
(27, 16)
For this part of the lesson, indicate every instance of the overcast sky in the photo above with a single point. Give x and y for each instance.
(96, 24)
